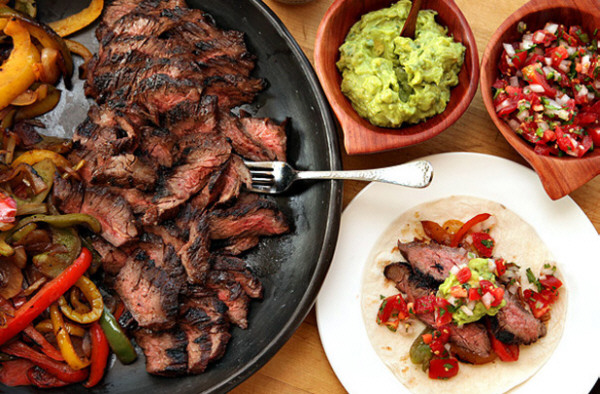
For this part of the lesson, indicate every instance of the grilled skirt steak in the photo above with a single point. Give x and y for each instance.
(164, 169)
(432, 259)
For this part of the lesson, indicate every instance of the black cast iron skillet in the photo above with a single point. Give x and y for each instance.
(291, 267)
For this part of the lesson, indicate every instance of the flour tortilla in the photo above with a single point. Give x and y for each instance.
(516, 241)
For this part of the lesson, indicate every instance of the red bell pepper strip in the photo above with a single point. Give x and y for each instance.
(45, 346)
(45, 297)
(41, 378)
(467, 226)
(99, 355)
(35, 335)
(61, 370)
(14, 373)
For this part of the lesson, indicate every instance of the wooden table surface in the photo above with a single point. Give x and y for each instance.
(301, 364)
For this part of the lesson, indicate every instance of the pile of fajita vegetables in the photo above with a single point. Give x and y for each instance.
(56, 326)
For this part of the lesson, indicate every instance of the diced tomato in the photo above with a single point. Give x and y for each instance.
(442, 315)
(393, 309)
(534, 74)
(427, 338)
(500, 267)
(498, 294)
(483, 243)
(584, 118)
(507, 106)
(569, 144)
(538, 304)
(543, 37)
(575, 31)
(536, 58)
(594, 132)
(557, 55)
(424, 304)
(443, 368)
(571, 40)
(545, 150)
(528, 131)
(463, 275)
(458, 292)
(439, 339)
(8, 208)
(474, 294)
(551, 282)
(486, 286)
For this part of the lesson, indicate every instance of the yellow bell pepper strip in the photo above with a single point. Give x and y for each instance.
(76, 22)
(32, 157)
(78, 305)
(27, 7)
(72, 328)
(64, 340)
(94, 298)
(17, 74)
(47, 295)
(40, 107)
(99, 355)
(45, 35)
(118, 341)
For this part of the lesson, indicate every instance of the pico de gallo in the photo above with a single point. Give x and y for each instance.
(548, 89)
(470, 293)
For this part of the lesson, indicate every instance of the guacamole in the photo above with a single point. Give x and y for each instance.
(391, 79)
(479, 271)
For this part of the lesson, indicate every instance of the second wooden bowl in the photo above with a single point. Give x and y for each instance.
(360, 136)
(559, 175)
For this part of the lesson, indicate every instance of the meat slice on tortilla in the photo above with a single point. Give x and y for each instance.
(433, 259)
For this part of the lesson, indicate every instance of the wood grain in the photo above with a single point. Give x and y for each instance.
(559, 175)
(360, 136)
(301, 365)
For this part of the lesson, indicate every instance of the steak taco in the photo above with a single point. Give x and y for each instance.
(461, 295)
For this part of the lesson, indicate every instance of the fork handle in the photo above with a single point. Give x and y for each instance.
(413, 174)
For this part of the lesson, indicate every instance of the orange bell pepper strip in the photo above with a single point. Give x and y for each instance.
(17, 72)
(47, 295)
(76, 22)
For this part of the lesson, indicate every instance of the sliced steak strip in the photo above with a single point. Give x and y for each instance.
(125, 170)
(433, 259)
(514, 324)
(113, 259)
(240, 272)
(270, 134)
(148, 292)
(206, 325)
(195, 253)
(250, 216)
(230, 292)
(165, 351)
(113, 212)
(470, 342)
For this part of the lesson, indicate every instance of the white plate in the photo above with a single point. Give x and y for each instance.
(562, 225)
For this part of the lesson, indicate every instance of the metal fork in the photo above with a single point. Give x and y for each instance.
(274, 177)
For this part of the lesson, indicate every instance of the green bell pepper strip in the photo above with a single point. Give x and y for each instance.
(63, 221)
(118, 341)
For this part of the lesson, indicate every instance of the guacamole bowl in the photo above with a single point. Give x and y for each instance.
(559, 175)
(360, 136)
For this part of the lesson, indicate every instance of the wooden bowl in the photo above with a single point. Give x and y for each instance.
(559, 175)
(360, 136)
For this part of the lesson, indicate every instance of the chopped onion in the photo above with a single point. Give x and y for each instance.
(548, 61)
(514, 124)
(487, 300)
(523, 115)
(571, 50)
(591, 96)
(583, 91)
(471, 304)
(512, 289)
(527, 42)
(564, 65)
(466, 310)
(536, 88)
(543, 126)
(547, 271)
(454, 270)
(491, 265)
(563, 100)
(514, 81)
(510, 50)
(451, 300)
(551, 27)
(539, 36)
